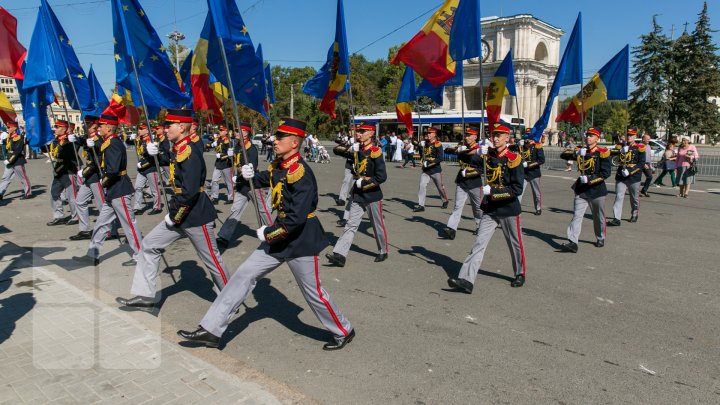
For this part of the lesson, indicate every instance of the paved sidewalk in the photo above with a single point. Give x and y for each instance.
(58, 344)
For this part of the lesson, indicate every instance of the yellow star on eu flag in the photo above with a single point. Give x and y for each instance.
(142, 13)
(33, 104)
(162, 48)
(141, 64)
(62, 38)
(80, 76)
(238, 47)
(155, 58)
(125, 7)
(244, 30)
(117, 57)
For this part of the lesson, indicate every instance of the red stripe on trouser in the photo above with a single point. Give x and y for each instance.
(382, 224)
(27, 181)
(72, 181)
(232, 185)
(157, 192)
(442, 186)
(262, 201)
(100, 190)
(604, 225)
(212, 253)
(522, 249)
(324, 301)
(130, 224)
(540, 193)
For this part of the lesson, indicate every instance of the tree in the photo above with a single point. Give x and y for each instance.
(705, 81)
(649, 101)
(177, 54)
(680, 87)
(617, 122)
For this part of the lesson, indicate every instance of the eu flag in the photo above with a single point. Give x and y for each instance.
(97, 95)
(465, 31)
(426, 89)
(186, 74)
(259, 55)
(269, 84)
(34, 102)
(136, 41)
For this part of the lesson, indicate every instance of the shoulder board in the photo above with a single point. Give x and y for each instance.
(15, 138)
(514, 160)
(105, 144)
(618, 146)
(375, 152)
(226, 141)
(437, 143)
(538, 145)
(604, 153)
(641, 147)
(183, 153)
(295, 173)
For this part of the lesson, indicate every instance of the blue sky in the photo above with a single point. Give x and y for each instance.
(298, 32)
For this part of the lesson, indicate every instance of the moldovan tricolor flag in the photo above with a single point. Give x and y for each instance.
(7, 112)
(610, 83)
(12, 53)
(427, 52)
(501, 85)
(122, 106)
(403, 108)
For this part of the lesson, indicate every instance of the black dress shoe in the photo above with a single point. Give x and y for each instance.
(518, 282)
(336, 259)
(340, 202)
(215, 201)
(449, 233)
(57, 221)
(222, 242)
(137, 212)
(86, 260)
(445, 204)
(341, 223)
(381, 257)
(571, 247)
(200, 336)
(155, 212)
(600, 243)
(72, 222)
(633, 218)
(538, 212)
(418, 208)
(338, 342)
(645, 194)
(460, 284)
(228, 202)
(136, 302)
(82, 235)
(614, 222)
(129, 263)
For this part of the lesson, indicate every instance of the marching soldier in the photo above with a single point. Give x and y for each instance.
(341, 150)
(296, 237)
(147, 174)
(368, 174)
(191, 214)
(14, 161)
(164, 154)
(468, 181)
(430, 162)
(119, 190)
(242, 188)
(500, 206)
(533, 157)
(223, 167)
(594, 165)
(631, 160)
(65, 168)
(90, 175)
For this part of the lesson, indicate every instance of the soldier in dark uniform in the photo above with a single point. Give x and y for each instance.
(63, 154)
(533, 157)
(164, 156)
(431, 156)
(242, 188)
(118, 193)
(468, 183)
(368, 174)
(90, 175)
(191, 214)
(500, 207)
(223, 167)
(296, 238)
(594, 165)
(628, 177)
(343, 149)
(15, 161)
(147, 174)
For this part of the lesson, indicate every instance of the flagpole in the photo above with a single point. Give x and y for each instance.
(462, 102)
(237, 125)
(147, 122)
(484, 117)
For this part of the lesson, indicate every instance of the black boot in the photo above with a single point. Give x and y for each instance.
(341, 223)
(418, 208)
(518, 282)
(571, 247)
(137, 302)
(86, 260)
(445, 204)
(57, 221)
(336, 259)
(338, 342)
(461, 285)
(200, 336)
(82, 235)
(614, 222)
(381, 257)
(449, 233)
(339, 202)
(600, 243)
(633, 218)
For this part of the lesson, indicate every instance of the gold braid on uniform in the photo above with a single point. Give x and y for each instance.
(361, 166)
(494, 174)
(625, 159)
(525, 152)
(54, 150)
(586, 165)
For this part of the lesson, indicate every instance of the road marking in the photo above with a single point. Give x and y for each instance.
(647, 370)
(605, 300)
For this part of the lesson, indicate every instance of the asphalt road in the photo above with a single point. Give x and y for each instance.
(634, 322)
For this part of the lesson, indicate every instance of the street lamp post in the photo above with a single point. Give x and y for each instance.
(176, 36)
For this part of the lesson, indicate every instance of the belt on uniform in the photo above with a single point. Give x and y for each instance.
(179, 190)
(122, 173)
(310, 215)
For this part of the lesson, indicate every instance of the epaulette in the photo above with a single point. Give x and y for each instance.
(15, 138)
(437, 144)
(105, 144)
(604, 153)
(194, 138)
(226, 141)
(375, 152)
(183, 153)
(538, 145)
(618, 146)
(514, 160)
(295, 173)
(641, 147)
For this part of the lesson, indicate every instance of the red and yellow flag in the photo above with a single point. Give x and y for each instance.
(122, 106)
(7, 112)
(427, 52)
(204, 93)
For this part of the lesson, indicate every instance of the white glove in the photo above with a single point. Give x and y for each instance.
(583, 179)
(139, 165)
(217, 155)
(261, 233)
(425, 163)
(625, 149)
(231, 153)
(133, 136)
(79, 174)
(625, 172)
(522, 142)
(583, 152)
(422, 144)
(6, 162)
(90, 143)
(153, 149)
(355, 147)
(234, 179)
(4, 136)
(169, 221)
(461, 148)
(247, 171)
(72, 138)
(524, 164)
(484, 150)
(358, 183)
(487, 190)
(214, 144)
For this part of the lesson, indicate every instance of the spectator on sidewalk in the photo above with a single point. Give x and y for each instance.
(647, 167)
(687, 156)
(668, 163)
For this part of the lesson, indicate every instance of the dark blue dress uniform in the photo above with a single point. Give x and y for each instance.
(189, 205)
(147, 176)
(342, 149)
(468, 184)
(533, 156)
(431, 156)
(15, 166)
(91, 189)
(628, 177)
(296, 237)
(223, 168)
(62, 153)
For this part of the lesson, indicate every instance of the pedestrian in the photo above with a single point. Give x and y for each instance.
(687, 157)
(594, 165)
(500, 207)
(14, 160)
(223, 167)
(431, 157)
(631, 160)
(647, 167)
(65, 168)
(668, 163)
(384, 140)
(393, 146)
(468, 182)
(147, 174)
(270, 151)
(408, 152)
(296, 238)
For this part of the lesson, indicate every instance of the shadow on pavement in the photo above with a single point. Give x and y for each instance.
(193, 278)
(545, 237)
(448, 264)
(14, 307)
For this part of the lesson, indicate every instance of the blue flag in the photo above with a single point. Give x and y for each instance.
(34, 101)
(465, 31)
(269, 84)
(428, 90)
(98, 96)
(186, 74)
(259, 55)
(569, 72)
(136, 41)
(225, 24)
(616, 74)
(456, 80)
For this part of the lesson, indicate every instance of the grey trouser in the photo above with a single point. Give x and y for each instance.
(165, 174)
(347, 182)
(597, 207)
(239, 204)
(226, 174)
(348, 204)
(151, 181)
(116, 208)
(424, 180)
(154, 244)
(537, 194)
(56, 190)
(11, 172)
(376, 220)
(461, 194)
(260, 264)
(87, 192)
(620, 188)
(513, 236)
